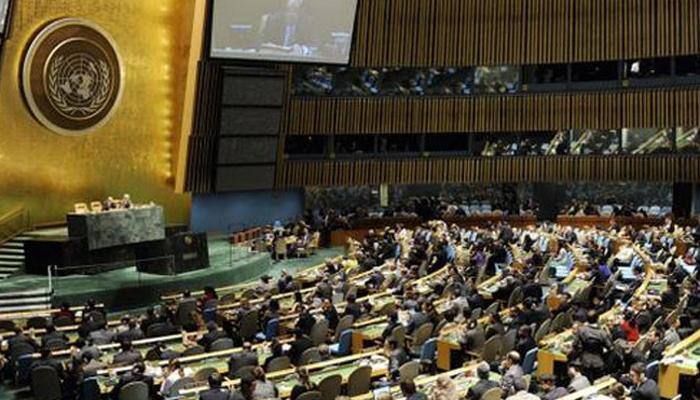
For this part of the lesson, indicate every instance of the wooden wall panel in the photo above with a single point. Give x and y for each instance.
(600, 110)
(479, 32)
(503, 169)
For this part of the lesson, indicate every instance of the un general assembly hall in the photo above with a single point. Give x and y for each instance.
(349, 199)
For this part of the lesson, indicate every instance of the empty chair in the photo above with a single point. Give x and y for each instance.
(279, 364)
(222, 344)
(493, 308)
(63, 320)
(359, 381)
(319, 332)
(192, 351)
(37, 322)
(492, 349)
(271, 329)
(56, 344)
(543, 330)
(409, 371)
(493, 394)
(203, 374)
(310, 356)
(134, 391)
(158, 329)
(312, 395)
(45, 383)
(245, 372)
(343, 324)
(509, 341)
(516, 296)
(476, 313)
(6, 325)
(420, 336)
(428, 350)
(343, 347)
(399, 335)
(529, 361)
(330, 387)
(180, 384)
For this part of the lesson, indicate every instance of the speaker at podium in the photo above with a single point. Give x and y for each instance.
(181, 252)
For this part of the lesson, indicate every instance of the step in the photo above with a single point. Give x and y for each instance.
(14, 264)
(14, 245)
(12, 250)
(26, 293)
(12, 309)
(27, 300)
(4, 276)
(9, 269)
(21, 238)
(12, 257)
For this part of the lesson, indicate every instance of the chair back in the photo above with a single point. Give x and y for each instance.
(45, 383)
(63, 320)
(493, 394)
(279, 364)
(330, 387)
(422, 334)
(493, 308)
(312, 395)
(343, 324)
(249, 325)
(509, 340)
(319, 332)
(529, 361)
(193, 351)
(244, 372)
(271, 329)
(222, 344)
(399, 335)
(310, 356)
(428, 350)
(492, 349)
(56, 344)
(134, 391)
(542, 331)
(182, 314)
(359, 381)
(516, 296)
(182, 383)
(37, 322)
(158, 329)
(203, 374)
(409, 371)
(476, 313)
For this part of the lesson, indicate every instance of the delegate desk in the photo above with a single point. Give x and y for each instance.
(680, 360)
(582, 221)
(118, 227)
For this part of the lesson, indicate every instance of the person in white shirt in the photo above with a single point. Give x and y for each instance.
(173, 373)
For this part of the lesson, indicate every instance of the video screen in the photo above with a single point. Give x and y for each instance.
(314, 31)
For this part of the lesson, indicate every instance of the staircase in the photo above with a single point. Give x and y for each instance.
(12, 225)
(12, 256)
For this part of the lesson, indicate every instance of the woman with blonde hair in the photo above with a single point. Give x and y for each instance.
(445, 389)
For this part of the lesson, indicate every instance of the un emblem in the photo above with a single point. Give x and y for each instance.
(72, 76)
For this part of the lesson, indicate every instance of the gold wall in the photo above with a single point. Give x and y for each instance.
(136, 151)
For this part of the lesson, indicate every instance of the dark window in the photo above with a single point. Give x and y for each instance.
(305, 145)
(539, 74)
(593, 142)
(497, 79)
(354, 144)
(688, 140)
(447, 142)
(596, 71)
(402, 144)
(688, 65)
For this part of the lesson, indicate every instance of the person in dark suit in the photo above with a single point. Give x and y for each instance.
(21, 337)
(305, 321)
(47, 360)
(352, 308)
(52, 335)
(213, 333)
(483, 384)
(285, 26)
(215, 392)
(127, 355)
(247, 357)
(643, 388)
(135, 375)
(298, 346)
(330, 313)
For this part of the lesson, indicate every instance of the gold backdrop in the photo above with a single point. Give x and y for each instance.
(132, 153)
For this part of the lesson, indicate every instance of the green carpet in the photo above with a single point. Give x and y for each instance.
(128, 289)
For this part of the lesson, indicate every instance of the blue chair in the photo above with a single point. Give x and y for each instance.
(23, 368)
(529, 361)
(342, 348)
(652, 370)
(428, 350)
(270, 330)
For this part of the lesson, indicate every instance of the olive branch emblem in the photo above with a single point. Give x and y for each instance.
(62, 101)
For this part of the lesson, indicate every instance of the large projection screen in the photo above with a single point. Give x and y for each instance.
(313, 31)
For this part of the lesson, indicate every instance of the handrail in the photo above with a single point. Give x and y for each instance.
(13, 223)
